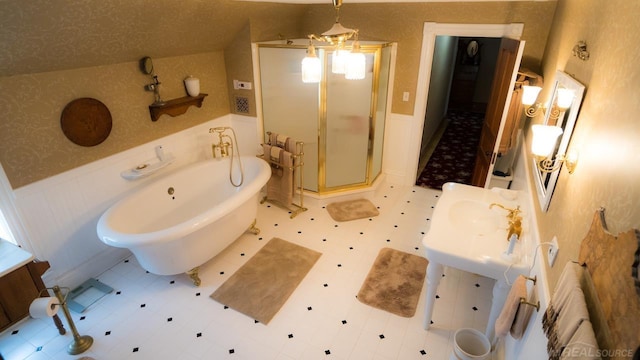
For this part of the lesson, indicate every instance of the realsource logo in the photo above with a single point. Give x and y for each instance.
(582, 350)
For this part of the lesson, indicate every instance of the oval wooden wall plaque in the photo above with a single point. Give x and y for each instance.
(86, 121)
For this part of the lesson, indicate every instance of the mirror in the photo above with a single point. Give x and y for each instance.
(146, 65)
(560, 113)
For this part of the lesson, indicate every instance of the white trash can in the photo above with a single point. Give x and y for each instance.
(470, 344)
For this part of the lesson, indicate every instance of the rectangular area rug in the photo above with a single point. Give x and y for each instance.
(264, 283)
(394, 282)
(352, 210)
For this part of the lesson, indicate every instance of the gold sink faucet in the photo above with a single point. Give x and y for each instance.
(515, 220)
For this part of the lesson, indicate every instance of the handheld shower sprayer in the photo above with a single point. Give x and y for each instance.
(224, 148)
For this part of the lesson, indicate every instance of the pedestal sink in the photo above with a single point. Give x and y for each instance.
(475, 215)
(468, 234)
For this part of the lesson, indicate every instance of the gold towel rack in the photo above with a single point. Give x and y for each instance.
(298, 163)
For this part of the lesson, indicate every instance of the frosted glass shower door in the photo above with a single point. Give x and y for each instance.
(289, 106)
(348, 122)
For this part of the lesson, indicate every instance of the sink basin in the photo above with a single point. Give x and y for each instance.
(467, 234)
(475, 216)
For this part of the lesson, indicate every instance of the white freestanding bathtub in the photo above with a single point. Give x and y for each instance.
(180, 221)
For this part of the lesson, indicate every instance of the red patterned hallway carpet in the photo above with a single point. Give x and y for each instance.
(454, 157)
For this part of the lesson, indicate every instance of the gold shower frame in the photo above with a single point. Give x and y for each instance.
(370, 178)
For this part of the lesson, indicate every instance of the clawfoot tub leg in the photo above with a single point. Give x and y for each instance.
(253, 229)
(193, 274)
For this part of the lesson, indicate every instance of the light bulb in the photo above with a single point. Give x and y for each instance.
(544, 139)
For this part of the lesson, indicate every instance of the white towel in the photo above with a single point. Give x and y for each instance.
(583, 344)
(508, 313)
(521, 321)
(571, 316)
(562, 299)
(568, 281)
(275, 154)
(283, 141)
(280, 185)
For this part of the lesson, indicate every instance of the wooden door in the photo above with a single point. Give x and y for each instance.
(503, 81)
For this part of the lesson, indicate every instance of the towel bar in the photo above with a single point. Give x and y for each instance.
(536, 305)
(298, 161)
(534, 278)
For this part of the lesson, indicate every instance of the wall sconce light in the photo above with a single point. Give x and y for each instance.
(543, 144)
(580, 51)
(351, 63)
(563, 101)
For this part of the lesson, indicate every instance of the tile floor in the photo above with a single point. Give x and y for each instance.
(166, 317)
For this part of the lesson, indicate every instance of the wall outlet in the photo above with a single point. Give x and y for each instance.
(552, 253)
(244, 85)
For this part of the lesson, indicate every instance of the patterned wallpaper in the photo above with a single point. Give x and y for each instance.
(54, 51)
(33, 146)
(50, 35)
(403, 23)
(607, 130)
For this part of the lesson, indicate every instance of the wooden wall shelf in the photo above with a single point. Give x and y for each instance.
(175, 107)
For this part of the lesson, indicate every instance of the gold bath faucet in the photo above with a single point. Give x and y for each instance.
(515, 220)
(222, 148)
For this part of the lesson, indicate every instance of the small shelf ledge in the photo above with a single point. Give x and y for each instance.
(175, 107)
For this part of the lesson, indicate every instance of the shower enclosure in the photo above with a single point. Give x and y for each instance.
(340, 121)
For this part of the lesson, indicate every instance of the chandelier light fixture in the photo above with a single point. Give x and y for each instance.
(350, 63)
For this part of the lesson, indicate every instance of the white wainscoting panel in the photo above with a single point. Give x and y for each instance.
(59, 214)
(397, 149)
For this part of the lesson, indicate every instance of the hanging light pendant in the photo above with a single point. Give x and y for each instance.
(311, 66)
(356, 63)
(337, 36)
(339, 61)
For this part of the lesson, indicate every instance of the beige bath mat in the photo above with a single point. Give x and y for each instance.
(352, 210)
(394, 282)
(264, 283)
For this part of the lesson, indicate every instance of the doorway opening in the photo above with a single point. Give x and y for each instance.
(430, 32)
(461, 78)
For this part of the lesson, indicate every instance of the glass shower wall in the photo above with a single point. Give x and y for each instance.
(290, 106)
(380, 110)
(340, 121)
(347, 127)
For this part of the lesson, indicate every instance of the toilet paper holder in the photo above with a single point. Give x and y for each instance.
(80, 343)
